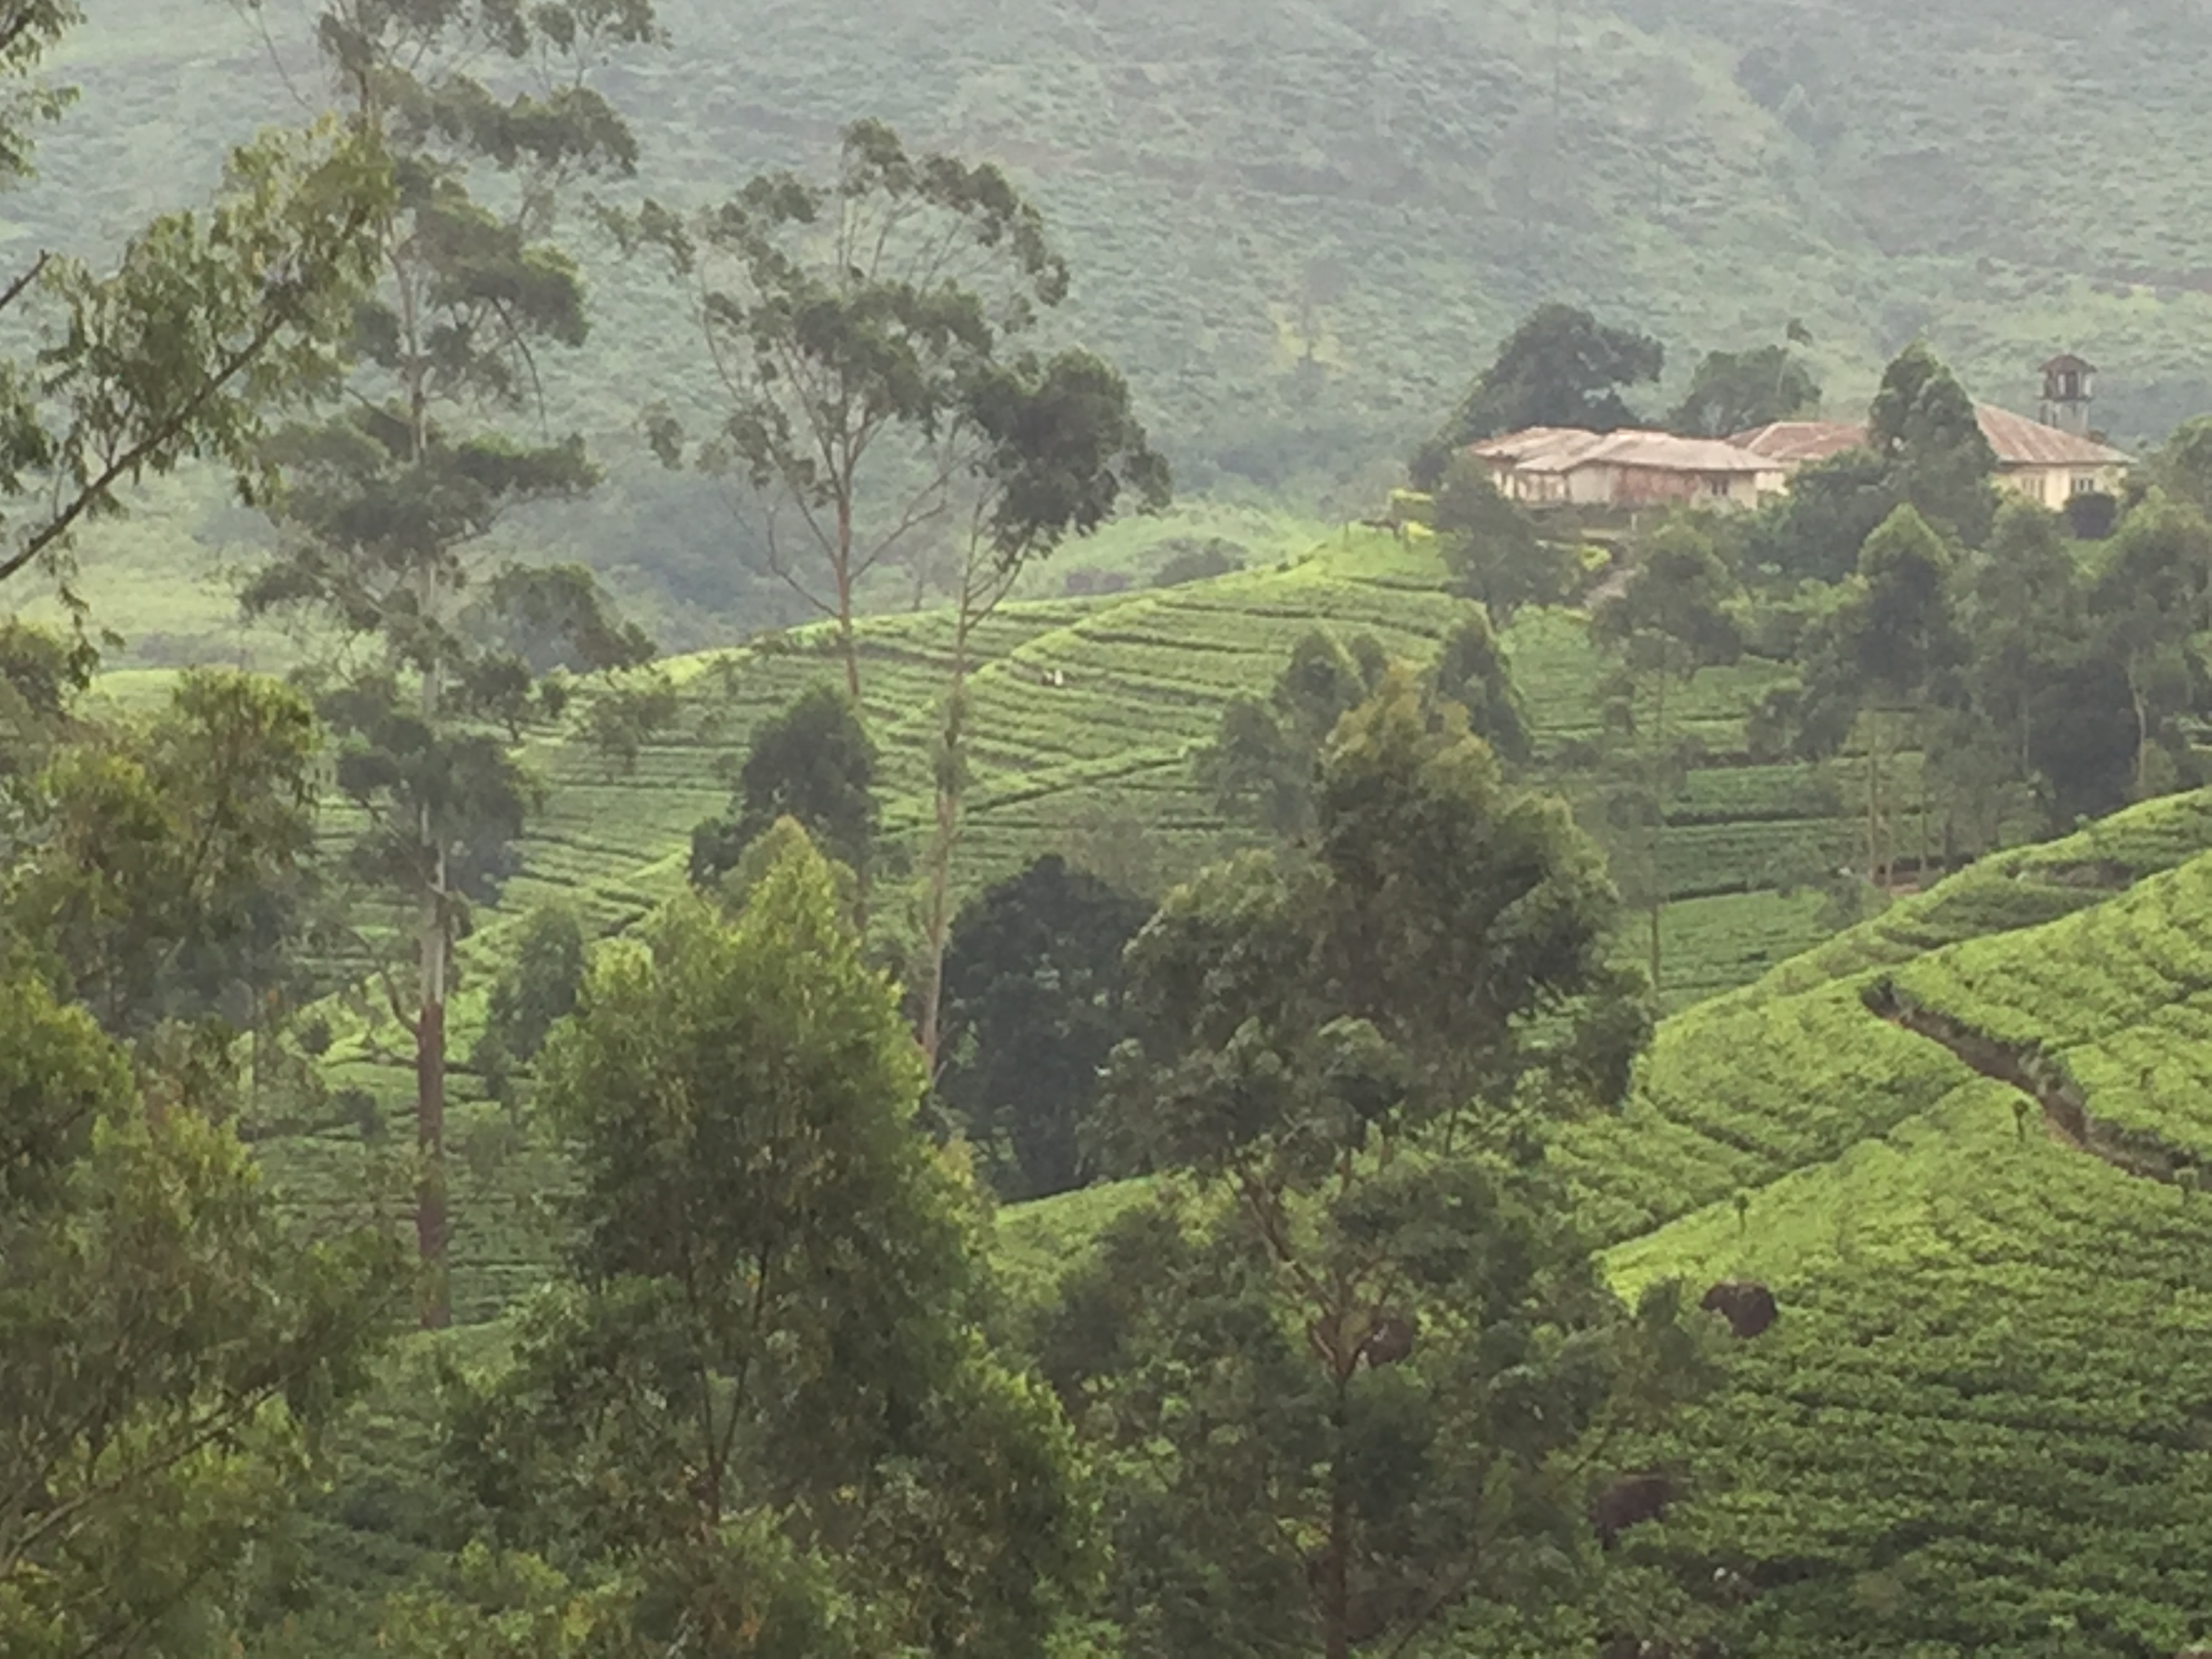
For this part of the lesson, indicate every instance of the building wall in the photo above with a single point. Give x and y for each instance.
(1606, 485)
(2053, 486)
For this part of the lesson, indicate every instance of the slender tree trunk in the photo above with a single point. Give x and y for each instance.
(1336, 1587)
(2142, 732)
(1659, 793)
(1873, 810)
(937, 930)
(844, 577)
(434, 956)
(430, 1218)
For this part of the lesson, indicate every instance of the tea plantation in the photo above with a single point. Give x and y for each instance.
(1983, 1421)
(1085, 713)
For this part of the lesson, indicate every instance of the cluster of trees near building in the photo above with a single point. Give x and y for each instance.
(1347, 1386)
(1969, 665)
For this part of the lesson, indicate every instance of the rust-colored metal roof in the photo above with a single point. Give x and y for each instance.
(1792, 443)
(2019, 441)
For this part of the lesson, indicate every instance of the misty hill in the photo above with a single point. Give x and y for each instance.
(1301, 228)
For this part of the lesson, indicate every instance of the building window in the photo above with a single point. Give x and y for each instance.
(2085, 483)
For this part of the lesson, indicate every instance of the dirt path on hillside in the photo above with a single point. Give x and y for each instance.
(2064, 1107)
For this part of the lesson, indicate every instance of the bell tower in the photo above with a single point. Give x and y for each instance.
(2070, 385)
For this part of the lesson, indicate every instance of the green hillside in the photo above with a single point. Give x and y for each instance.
(1302, 229)
(1096, 766)
(1980, 1424)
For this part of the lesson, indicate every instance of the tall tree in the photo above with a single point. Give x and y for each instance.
(1733, 392)
(1561, 366)
(1494, 548)
(2023, 612)
(167, 1342)
(1886, 659)
(1259, 767)
(2183, 465)
(1033, 1008)
(1474, 671)
(1814, 531)
(846, 319)
(1331, 1054)
(1053, 450)
(2148, 595)
(203, 325)
(1668, 623)
(759, 1399)
(813, 763)
(1923, 424)
(386, 503)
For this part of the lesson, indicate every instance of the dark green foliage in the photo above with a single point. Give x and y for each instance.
(1923, 424)
(1351, 1287)
(444, 803)
(813, 763)
(1198, 562)
(1472, 672)
(1903, 637)
(2150, 594)
(1494, 548)
(167, 1345)
(537, 988)
(165, 870)
(1032, 1008)
(1735, 392)
(1561, 366)
(1062, 452)
(557, 617)
(756, 1406)
(2183, 466)
(627, 714)
(1259, 767)
(1814, 533)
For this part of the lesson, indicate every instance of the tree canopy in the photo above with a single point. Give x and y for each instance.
(1560, 367)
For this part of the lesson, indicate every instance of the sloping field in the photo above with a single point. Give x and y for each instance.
(1085, 712)
(1984, 1421)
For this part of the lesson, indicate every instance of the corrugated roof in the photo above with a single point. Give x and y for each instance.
(1563, 449)
(1656, 452)
(2019, 441)
(1532, 443)
(1789, 442)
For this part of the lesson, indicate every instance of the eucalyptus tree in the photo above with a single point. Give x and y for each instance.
(487, 111)
(848, 321)
(1667, 624)
(1052, 448)
(759, 1401)
(203, 324)
(1353, 1377)
(168, 1343)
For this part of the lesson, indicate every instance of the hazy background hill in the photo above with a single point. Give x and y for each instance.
(1303, 225)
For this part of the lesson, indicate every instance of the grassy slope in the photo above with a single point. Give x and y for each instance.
(1981, 1423)
(1096, 766)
